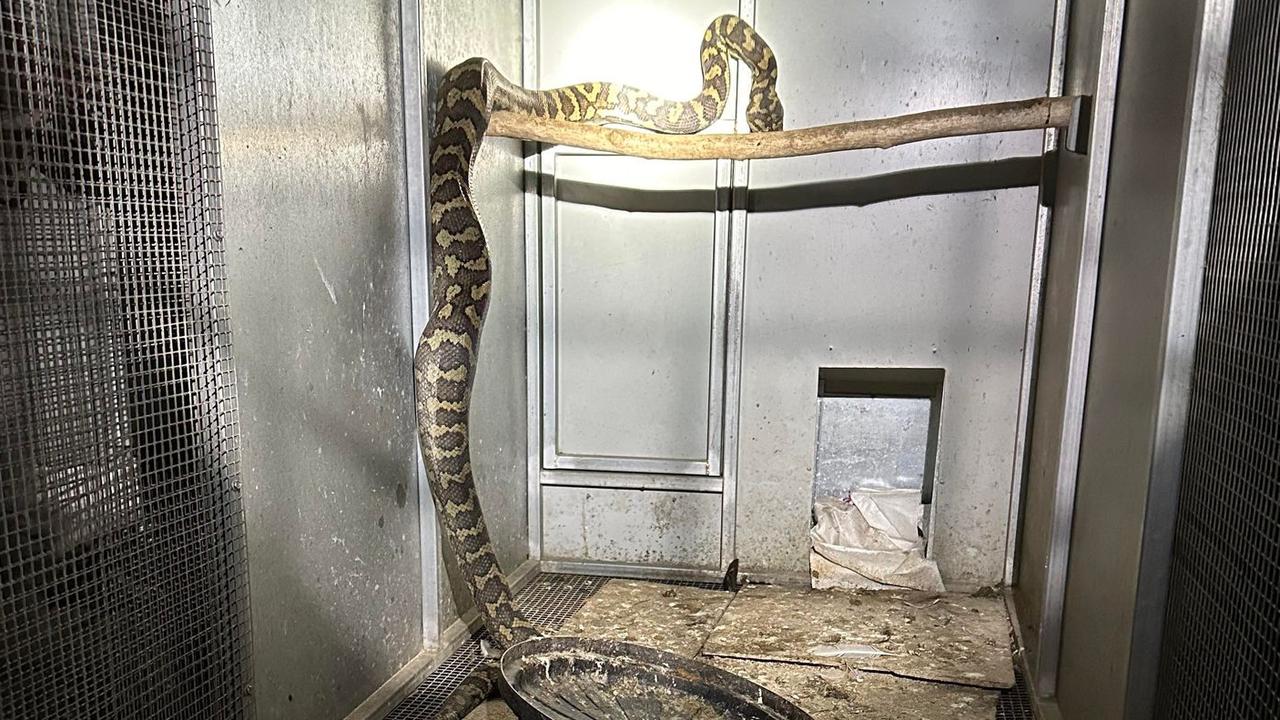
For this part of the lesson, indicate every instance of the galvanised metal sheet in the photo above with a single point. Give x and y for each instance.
(634, 317)
(645, 527)
(630, 399)
(870, 443)
(923, 280)
(318, 262)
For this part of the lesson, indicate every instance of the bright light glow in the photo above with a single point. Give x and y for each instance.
(642, 45)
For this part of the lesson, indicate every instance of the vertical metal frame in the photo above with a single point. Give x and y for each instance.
(737, 267)
(1099, 150)
(415, 141)
(734, 315)
(532, 291)
(719, 314)
(1181, 324)
(1035, 305)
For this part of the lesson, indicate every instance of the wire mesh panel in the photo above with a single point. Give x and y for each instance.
(548, 600)
(1221, 649)
(122, 559)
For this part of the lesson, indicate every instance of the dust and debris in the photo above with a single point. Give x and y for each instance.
(492, 710)
(949, 637)
(681, 619)
(988, 591)
(563, 677)
(671, 618)
(838, 693)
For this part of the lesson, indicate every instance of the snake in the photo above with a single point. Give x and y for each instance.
(445, 360)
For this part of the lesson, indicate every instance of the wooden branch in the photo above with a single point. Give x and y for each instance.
(883, 133)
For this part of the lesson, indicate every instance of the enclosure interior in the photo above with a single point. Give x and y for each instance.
(648, 400)
(682, 359)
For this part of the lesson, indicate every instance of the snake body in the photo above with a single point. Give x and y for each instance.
(445, 361)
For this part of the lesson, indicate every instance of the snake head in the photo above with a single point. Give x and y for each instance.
(764, 113)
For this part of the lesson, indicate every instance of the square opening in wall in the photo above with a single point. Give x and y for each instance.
(873, 476)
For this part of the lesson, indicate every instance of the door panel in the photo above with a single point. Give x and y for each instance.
(634, 316)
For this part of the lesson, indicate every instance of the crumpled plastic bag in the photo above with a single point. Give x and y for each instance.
(871, 539)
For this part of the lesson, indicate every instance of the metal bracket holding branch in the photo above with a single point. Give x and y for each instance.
(1077, 140)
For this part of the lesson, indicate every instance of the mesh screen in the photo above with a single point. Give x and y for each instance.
(1221, 650)
(549, 600)
(122, 558)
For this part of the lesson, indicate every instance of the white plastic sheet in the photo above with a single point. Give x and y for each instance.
(871, 539)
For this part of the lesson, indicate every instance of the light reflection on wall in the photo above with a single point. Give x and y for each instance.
(639, 44)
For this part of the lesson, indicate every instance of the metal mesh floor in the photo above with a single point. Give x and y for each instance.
(1015, 703)
(122, 568)
(549, 600)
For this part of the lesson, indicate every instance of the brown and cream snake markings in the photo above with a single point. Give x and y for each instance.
(445, 361)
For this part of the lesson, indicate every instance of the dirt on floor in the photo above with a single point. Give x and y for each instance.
(836, 654)
(947, 637)
(668, 617)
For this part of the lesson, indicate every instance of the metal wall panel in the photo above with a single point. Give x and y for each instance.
(657, 528)
(318, 268)
(634, 315)
(936, 280)
(452, 31)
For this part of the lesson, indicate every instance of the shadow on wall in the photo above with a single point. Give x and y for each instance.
(1003, 174)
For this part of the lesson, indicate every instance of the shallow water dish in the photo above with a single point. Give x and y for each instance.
(571, 678)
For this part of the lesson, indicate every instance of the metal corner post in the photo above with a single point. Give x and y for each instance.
(1085, 299)
(734, 290)
(415, 142)
(1035, 305)
(533, 283)
(1182, 314)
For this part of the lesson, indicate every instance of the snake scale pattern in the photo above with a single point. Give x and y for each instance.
(445, 361)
